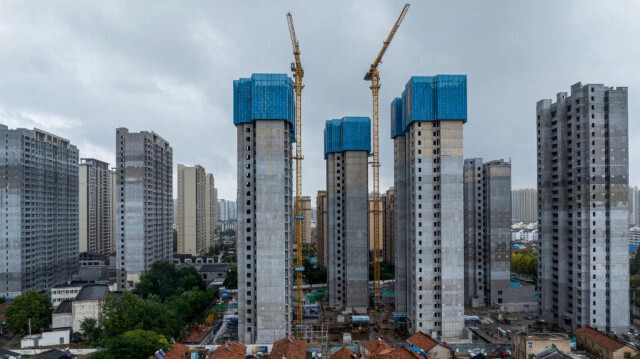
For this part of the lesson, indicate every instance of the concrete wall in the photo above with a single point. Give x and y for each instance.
(54, 337)
(347, 239)
(321, 228)
(84, 309)
(583, 190)
(62, 320)
(400, 222)
(264, 231)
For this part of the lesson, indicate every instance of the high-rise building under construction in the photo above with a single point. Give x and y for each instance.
(263, 113)
(426, 125)
(346, 147)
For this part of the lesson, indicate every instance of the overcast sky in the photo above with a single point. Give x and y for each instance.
(80, 69)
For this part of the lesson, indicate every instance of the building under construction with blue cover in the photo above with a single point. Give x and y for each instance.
(347, 143)
(426, 126)
(264, 113)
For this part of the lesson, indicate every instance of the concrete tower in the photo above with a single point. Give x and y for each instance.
(144, 202)
(347, 145)
(321, 228)
(487, 232)
(211, 209)
(264, 118)
(192, 215)
(95, 206)
(39, 210)
(583, 169)
(389, 227)
(434, 110)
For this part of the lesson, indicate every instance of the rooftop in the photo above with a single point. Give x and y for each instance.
(423, 341)
(289, 347)
(600, 338)
(178, 351)
(92, 292)
(214, 268)
(345, 353)
(196, 335)
(64, 307)
(378, 347)
(231, 350)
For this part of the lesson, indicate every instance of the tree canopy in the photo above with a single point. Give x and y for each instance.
(133, 344)
(30, 305)
(525, 262)
(164, 280)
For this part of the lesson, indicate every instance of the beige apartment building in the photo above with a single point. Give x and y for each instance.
(525, 345)
(196, 209)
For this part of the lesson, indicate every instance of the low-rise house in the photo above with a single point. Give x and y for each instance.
(290, 348)
(524, 345)
(602, 345)
(402, 353)
(179, 351)
(431, 347)
(46, 338)
(55, 354)
(376, 347)
(199, 336)
(8, 354)
(62, 317)
(88, 304)
(65, 291)
(232, 350)
(345, 353)
(551, 353)
(214, 272)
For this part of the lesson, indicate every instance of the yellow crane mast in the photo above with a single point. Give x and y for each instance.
(373, 76)
(298, 73)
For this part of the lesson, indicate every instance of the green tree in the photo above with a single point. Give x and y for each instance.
(135, 344)
(634, 267)
(3, 299)
(160, 280)
(89, 327)
(30, 305)
(189, 278)
(525, 262)
(121, 314)
(231, 280)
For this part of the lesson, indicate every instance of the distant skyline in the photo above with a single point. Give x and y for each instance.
(82, 69)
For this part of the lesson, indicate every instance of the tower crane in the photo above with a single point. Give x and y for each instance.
(298, 73)
(373, 76)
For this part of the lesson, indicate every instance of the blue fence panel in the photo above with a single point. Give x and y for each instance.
(332, 136)
(356, 134)
(396, 118)
(452, 97)
(434, 98)
(264, 97)
(241, 101)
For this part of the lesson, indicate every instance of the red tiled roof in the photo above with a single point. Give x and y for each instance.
(378, 347)
(178, 352)
(344, 353)
(600, 338)
(232, 350)
(423, 341)
(197, 335)
(290, 348)
(3, 306)
(403, 353)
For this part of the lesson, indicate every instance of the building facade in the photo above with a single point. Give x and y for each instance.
(211, 209)
(94, 206)
(370, 219)
(389, 226)
(583, 193)
(144, 202)
(634, 206)
(427, 122)
(347, 145)
(524, 205)
(227, 210)
(305, 202)
(264, 118)
(192, 213)
(39, 205)
(321, 228)
(487, 232)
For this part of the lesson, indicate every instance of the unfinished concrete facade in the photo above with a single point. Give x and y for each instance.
(583, 270)
(263, 115)
(400, 228)
(192, 214)
(94, 206)
(433, 113)
(487, 232)
(524, 205)
(39, 208)
(144, 202)
(211, 209)
(347, 146)
(321, 228)
(389, 226)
